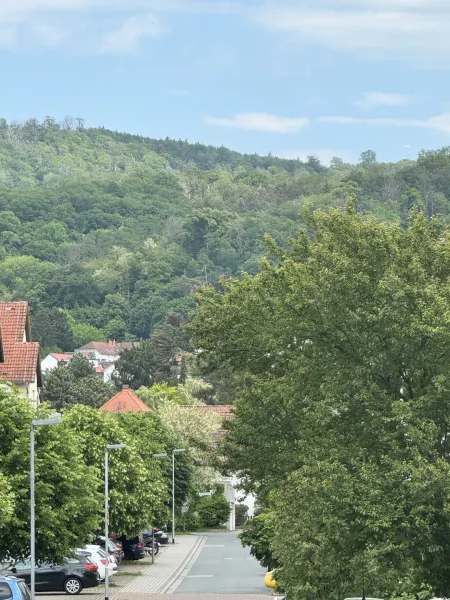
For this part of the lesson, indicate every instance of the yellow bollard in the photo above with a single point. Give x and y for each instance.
(269, 580)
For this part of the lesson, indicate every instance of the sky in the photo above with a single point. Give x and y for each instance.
(291, 77)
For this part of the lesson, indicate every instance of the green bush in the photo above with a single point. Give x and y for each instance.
(241, 514)
(258, 534)
(213, 510)
(188, 522)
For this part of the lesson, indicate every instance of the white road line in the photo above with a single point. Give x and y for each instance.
(198, 576)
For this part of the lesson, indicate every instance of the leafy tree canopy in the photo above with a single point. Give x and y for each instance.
(344, 339)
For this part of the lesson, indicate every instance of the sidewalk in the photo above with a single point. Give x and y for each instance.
(158, 578)
(150, 579)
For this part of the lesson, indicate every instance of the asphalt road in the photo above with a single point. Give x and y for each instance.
(224, 567)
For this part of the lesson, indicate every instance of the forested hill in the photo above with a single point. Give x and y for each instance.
(37, 153)
(118, 229)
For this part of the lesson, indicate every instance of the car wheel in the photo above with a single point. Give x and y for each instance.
(73, 586)
(156, 549)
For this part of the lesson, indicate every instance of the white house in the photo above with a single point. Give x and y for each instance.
(105, 370)
(103, 352)
(51, 361)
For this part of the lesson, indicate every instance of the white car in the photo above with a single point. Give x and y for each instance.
(98, 555)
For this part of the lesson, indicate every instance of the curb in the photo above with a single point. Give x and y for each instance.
(185, 567)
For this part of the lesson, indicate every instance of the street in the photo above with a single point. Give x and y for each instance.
(224, 567)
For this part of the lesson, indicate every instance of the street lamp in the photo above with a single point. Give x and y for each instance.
(160, 455)
(174, 451)
(108, 448)
(53, 420)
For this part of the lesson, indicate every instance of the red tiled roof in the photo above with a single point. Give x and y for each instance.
(61, 356)
(125, 401)
(99, 369)
(21, 359)
(21, 362)
(107, 347)
(13, 321)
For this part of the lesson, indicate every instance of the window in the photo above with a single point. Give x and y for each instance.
(5, 591)
(72, 561)
(24, 590)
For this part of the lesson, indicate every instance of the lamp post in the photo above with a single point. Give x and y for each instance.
(160, 455)
(53, 420)
(108, 448)
(174, 451)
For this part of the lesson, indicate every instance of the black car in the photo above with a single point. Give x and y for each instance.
(133, 547)
(70, 577)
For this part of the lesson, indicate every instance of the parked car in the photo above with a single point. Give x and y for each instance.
(161, 535)
(13, 588)
(133, 547)
(98, 556)
(115, 549)
(70, 577)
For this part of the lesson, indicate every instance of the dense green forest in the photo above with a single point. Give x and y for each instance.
(119, 230)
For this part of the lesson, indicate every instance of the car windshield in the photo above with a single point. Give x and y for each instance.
(101, 552)
(25, 564)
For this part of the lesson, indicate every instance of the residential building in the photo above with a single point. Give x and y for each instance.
(100, 352)
(101, 355)
(104, 371)
(51, 361)
(19, 356)
(125, 401)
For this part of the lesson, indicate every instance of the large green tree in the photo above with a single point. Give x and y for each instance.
(75, 383)
(137, 487)
(343, 340)
(67, 496)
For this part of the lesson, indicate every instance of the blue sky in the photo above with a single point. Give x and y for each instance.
(291, 77)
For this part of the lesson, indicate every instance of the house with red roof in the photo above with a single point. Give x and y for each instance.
(19, 356)
(51, 361)
(103, 352)
(125, 401)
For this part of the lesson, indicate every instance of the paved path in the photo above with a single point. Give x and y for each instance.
(222, 566)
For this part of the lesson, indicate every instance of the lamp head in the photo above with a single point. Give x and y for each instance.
(54, 419)
(177, 450)
(161, 455)
(115, 446)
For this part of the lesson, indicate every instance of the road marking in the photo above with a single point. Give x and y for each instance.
(228, 558)
(198, 576)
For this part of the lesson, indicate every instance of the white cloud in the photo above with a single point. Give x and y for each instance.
(376, 99)
(256, 121)
(126, 39)
(323, 154)
(439, 122)
(406, 29)
(25, 19)
(48, 35)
